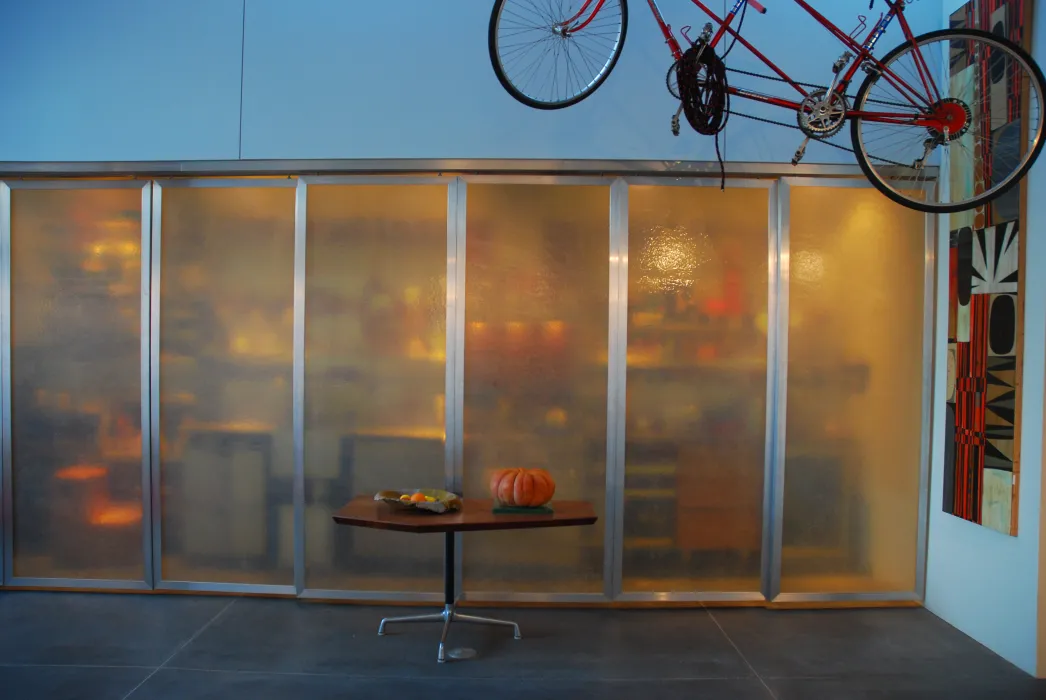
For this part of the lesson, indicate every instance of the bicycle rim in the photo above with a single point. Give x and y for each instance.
(990, 86)
(544, 67)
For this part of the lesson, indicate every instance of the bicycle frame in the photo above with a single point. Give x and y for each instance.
(923, 102)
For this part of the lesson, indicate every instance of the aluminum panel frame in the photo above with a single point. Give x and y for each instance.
(928, 355)
(79, 584)
(813, 599)
(457, 189)
(393, 179)
(263, 589)
(79, 184)
(316, 167)
(454, 440)
(534, 598)
(145, 335)
(455, 203)
(301, 197)
(371, 596)
(454, 395)
(740, 183)
(617, 377)
(156, 480)
(159, 582)
(522, 179)
(770, 557)
(6, 495)
(696, 597)
(777, 439)
(539, 179)
(289, 181)
(7, 575)
(930, 313)
(766, 558)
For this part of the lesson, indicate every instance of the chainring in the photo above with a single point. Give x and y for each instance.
(821, 115)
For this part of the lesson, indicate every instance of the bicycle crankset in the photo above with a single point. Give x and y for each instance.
(822, 114)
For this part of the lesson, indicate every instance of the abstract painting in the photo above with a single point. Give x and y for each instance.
(985, 307)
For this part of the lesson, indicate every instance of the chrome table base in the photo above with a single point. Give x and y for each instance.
(449, 615)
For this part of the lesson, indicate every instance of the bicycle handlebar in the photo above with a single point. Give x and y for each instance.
(757, 7)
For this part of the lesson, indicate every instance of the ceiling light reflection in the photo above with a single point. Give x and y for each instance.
(670, 258)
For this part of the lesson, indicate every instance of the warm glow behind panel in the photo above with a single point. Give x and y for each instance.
(696, 407)
(375, 368)
(536, 312)
(855, 392)
(76, 383)
(226, 313)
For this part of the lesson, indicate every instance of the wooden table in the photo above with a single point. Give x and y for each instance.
(475, 515)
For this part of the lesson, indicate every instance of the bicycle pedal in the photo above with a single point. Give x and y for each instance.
(800, 152)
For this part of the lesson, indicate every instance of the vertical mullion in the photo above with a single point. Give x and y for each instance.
(156, 482)
(450, 415)
(617, 331)
(929, 371)
(298, 383)
(771, 555)
(450, 409)
(145, 359)
(454, 401)
(7, 500)
(778, 315)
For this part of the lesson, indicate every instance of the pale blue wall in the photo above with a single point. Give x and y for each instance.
(103, 80)
(336, 79)
(154, 79)
(979, 580)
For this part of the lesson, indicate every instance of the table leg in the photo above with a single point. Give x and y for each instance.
(449, 613)
(431, 617)
(449, 597)
(477, 620)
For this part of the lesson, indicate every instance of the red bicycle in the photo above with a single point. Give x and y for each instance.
(960, 101)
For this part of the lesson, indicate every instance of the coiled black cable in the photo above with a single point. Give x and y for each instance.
(702, 81)
(705, 98)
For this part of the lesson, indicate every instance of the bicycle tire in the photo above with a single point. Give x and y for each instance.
(517, 93)
(873, 177)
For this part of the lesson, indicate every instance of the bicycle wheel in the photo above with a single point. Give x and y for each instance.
(541, 62)
(984, 131)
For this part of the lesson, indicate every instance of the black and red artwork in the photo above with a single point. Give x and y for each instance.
(981, 463)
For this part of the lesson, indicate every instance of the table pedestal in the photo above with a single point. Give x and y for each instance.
(449, 613)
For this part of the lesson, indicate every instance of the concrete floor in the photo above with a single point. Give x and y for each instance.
(65, 646)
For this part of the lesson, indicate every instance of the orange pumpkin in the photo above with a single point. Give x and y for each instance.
(526, 488)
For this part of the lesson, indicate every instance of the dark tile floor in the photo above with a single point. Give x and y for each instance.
(65, 646)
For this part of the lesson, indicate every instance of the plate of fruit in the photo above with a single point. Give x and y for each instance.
(424, 500)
